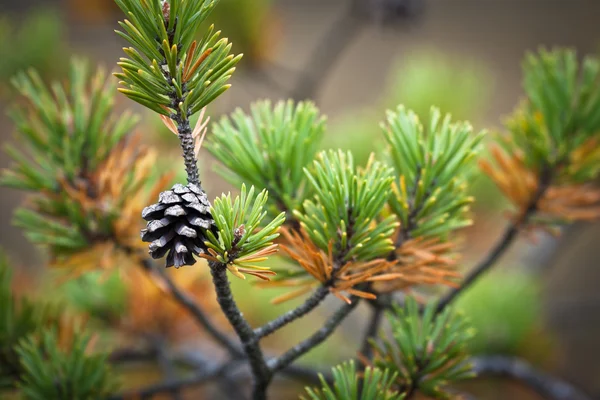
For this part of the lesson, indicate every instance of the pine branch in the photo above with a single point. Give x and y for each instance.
(125, 355)
(281, 362)
(167, 366)
(176, 384)
(366, 350)
(195, 359)
(310, 304)
(546, 386)
(260, 371)
(503, 244)
(190, 305)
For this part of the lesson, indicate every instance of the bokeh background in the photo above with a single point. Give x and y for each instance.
(355, 58)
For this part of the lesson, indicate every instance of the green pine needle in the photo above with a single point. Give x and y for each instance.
(268, 148)
(560, 115)
(19, 318)
(166, 70)
(65, 134)
(427, 351)
(241, 241)
(431, 165)
(53, 373)
(347, 206)
(376, 384)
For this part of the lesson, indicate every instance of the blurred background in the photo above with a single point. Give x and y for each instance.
(355, 59)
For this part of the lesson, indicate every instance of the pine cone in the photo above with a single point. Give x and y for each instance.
(177, 224)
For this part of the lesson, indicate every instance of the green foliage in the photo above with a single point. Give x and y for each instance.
(52, 373)
(66, 134)
(269, 148)
(35, 44)
(97, 295)
(460, 87)
(348, 385)
(347, 206)
(19, 317)
(427, 351)
(237, 223)
(504, 309)
(432, 165)
(67, 131)
(167, 71)
(561, 113)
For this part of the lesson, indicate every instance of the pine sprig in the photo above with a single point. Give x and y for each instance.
(376, 384)
(268, 148)
(241, 243)
(347, 206)
(428, 351)
(167, 70)
(18, 318)
(67, 131)
(53, 373)
(87, 174)
(431, 165)
(552, 151)
(22, 317)
(561, 114)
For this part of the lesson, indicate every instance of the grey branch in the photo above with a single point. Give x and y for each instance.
(318, 337)
(176, 384)
(260, 371)
(192, 307)
(310, 304)
(547, 386)
(503, 244)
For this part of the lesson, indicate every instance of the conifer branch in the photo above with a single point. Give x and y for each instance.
(190, 305)
(281, 362)
(310, 304)
(260, 371)
(503, 244)
(547, 386)
(373, 324)
(167, 386)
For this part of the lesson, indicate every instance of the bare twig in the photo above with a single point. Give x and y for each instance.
(278, 363)
(176, 384)
(366, 350)
(310, 304)
(503, 244)
(547, 386)
(190, 305)
(122, 356)
(260, 371)
(167, 366)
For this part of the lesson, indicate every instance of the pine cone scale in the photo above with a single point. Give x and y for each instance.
(177, 225)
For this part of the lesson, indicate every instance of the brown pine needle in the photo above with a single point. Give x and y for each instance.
(187, 75)
(561, 202)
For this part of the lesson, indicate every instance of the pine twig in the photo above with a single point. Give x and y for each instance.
(549, 387)
(184, 131)
(190, 305)
(260, 371)
(310, 304)
(125, 355)
(278, 363)
(166, 365)
(503, 244)
(176, 384)
(366, 350)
